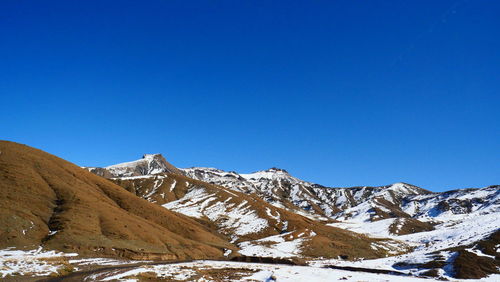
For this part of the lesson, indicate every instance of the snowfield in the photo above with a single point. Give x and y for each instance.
(41, 262)
(259, 272)
(458, 230)
(45, 263)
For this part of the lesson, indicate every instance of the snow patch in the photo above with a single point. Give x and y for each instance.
(33, 262)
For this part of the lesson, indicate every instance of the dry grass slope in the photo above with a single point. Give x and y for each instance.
(48, 201)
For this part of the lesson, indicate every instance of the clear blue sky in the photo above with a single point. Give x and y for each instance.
(341, 93)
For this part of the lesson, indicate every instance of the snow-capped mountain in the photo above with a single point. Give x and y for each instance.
(278, 187)
(274, 185)
(150, 164)
(272, 213)
(453, 234)
(403, 200)
(356, 204)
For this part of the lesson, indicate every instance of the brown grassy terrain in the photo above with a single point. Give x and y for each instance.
(48, 201)
(404, 226)
(468, 265)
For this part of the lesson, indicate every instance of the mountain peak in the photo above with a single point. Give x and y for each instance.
(407, 188)
(152, 156)
(150, 164)
(272, 173)
(275, 169)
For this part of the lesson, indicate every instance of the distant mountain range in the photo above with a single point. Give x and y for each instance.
(277, 187)
(411, 217)
(149, 209)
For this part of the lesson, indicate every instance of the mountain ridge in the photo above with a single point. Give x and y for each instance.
(425, 227)
(280, 188)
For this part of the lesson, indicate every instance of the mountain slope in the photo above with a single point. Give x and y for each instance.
(411, 208)
(50, 202)
(451, 234)
(257, 227)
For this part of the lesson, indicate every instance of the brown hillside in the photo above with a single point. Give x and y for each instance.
(48, 201)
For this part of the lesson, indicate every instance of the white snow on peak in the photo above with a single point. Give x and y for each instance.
(272, 173)
(145, 157)
(150, 164)
(150, 157)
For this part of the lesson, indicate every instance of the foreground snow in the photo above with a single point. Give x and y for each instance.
(250, 272)
(41, 262)
(454, 231)
(387, 264)
(33, 262)
(44, 263)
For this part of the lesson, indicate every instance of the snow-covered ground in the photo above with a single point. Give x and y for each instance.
(280, 246)
(387, 263)
(39, 262)
(250, 272)
(376, 229)
(456, 230)
(44, 263)
(32, 262)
